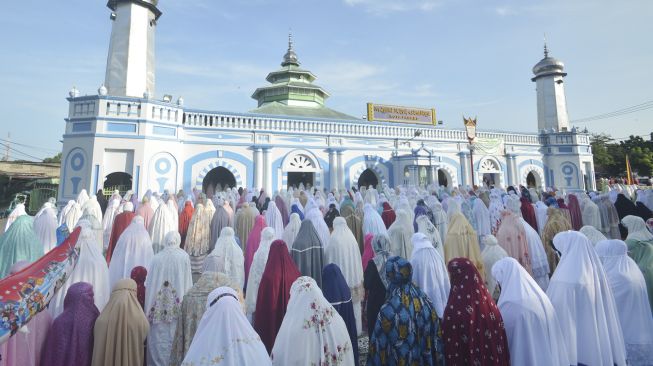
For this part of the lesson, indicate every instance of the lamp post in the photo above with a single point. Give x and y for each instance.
(470, 127)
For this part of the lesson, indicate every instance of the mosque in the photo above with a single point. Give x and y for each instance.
(124, 137)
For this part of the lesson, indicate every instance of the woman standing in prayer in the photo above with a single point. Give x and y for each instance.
(17, 212)
(134, 248)
(253, 242)
(192, 308)
(368, 252)
(45, 227)
(462, 241)
(26, 346)
(122, 221)
(400, 233)
(307, 252)
(336, 291)
(245, 219)
(375, 280)
(555, 224)
(227, 258)
(388, 215)
(492, 253)
(629, 289)
(472, 326)
(372, 221)
(274, 293)
(221, 219)
(224, 335)
(354, 221)
(162, 223)
(575, 212)
(70, 339)
(145, 211)
(167, 282)
(592, 234)
(185, 217)
(581, 296)
(91, 268)
(407, 328)
(291, 230)
(482, 217)
(531, 324)
(274, 220)
(313, 214)
(313, 320)
(512, 237)
(430, 273)
(640, 249)
(19, 243)
(425, 227)
(197, 240)
(120, 330)
(139, 275)
(257, 269)
(343, 251)
(440, 217)
(283, 208)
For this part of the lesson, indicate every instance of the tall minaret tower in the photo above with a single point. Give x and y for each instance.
(130, 64)
(551, 101)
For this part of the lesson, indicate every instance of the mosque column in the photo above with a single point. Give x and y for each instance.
(341, 170)
(258, 168)
(333, 170)
(512, 170)
(464, 168)
(414, 175)
(267, 174)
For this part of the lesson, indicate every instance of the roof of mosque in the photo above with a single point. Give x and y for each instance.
(280, 109)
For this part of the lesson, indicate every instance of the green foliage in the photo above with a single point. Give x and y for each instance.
(54, 159)
(610, 156)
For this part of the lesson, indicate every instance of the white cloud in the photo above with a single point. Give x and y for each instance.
(383, 7)
(505, 11)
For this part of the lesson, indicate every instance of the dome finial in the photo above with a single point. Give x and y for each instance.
(290, 58)
(290, 43)
(546, 50)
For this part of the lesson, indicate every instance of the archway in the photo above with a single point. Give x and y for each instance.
(301, 169)
(442, 178)
(118, 181)
(368, 178)
(531, 181)
(217, 180)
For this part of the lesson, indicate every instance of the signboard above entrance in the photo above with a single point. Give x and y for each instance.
(397, 114)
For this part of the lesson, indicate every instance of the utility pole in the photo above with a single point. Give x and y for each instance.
(6, 157)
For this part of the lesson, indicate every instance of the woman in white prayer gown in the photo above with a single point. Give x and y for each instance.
(314, 214)
(82, 197)
(312, 331)
(227, 258)
(372, 221)
(425, 227)
(430, 272)
(171, 204)
(168, 280)
(590, 211)
(400, 233)
(541, 215)
(629, 290)
(441, 221)
(107, 219)
(274, 220)
(96, 226)
(481, 217)
(45, 227)
(343, 251)
(593, 234)
(91, 267)
(19, 210)
(256, 271)
(73, 215)
(224, 336)
(492, 253)
(133, 249)
(494, 210)
(532, 327)
(581, 295)
(162, 223)
(64, 212)
(291, 230)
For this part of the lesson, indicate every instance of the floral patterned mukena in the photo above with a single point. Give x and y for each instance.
(321, 317)
(167, 305)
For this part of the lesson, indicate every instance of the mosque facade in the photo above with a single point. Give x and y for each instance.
(126, 138)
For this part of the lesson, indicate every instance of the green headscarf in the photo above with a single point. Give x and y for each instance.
(19, 243)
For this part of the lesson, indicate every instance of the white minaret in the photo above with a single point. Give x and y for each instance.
(551, 101)
(130, 64)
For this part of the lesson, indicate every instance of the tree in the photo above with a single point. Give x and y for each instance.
(603, 160)
(55, 159)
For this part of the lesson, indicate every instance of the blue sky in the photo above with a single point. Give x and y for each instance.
(459, 56)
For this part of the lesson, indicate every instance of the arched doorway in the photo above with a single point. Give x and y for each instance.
(217, 180)
(442, 178)
(118, 181)
(531, 181)
(368, 178)
(301, 170)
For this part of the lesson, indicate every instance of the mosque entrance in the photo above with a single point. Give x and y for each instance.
(217, 180)
(368, 178)
(531, 182)
(490, 179)
(297, 178)
(442, 178)
(118, 181)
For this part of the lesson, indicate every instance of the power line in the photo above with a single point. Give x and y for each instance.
(617, 113)
(20, 152)
(29, 146)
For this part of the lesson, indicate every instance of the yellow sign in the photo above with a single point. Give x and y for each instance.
(391, 113)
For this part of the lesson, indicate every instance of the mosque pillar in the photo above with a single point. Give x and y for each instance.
(333, 170)
(414, 175)
(267, 174)
(512, 178)
(464, 168)
(258, 168)
(340, 169)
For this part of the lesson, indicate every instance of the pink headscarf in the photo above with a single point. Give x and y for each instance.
(368, 251)
(253, 241)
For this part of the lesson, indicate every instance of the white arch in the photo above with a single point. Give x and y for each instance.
(214, 164)
(450, 172)
(537, 171)
(298, 156)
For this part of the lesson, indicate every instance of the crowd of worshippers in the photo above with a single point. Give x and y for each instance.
(387, 276)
